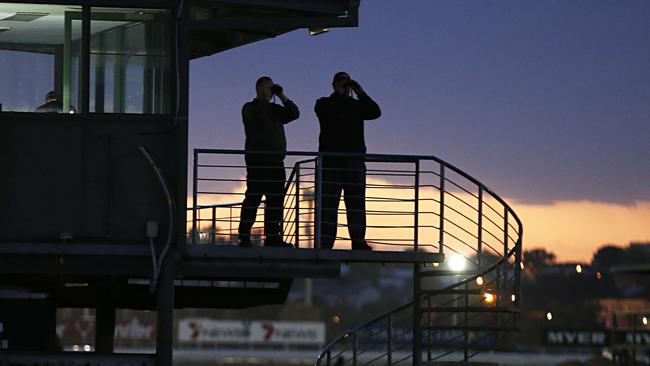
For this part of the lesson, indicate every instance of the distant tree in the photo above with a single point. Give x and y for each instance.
(609, 256)
(536, 259)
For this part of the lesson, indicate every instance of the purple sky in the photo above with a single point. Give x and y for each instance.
(540, 100)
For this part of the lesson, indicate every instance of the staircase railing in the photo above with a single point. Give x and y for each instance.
(413, 203)
(468, 304)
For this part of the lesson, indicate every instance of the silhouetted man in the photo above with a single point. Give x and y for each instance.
(265, 176)
(341, 120)
(52, 104)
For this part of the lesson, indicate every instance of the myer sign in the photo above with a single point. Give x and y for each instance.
(595, 338)
(203, 330)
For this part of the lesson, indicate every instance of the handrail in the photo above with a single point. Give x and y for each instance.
(347, 334)
(399, 158)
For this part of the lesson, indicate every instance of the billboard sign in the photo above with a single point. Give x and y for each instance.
(204, 330)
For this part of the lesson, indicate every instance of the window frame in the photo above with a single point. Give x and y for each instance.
(84, 59)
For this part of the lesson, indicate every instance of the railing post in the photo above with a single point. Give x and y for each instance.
(479, 247)
(417, 315)
(230, 223)
(297, 224)
(429, 325)
(355, 346)
(389, 341)
(329, 358)
(318, 199)
(442, 210)
(465, 330)
(416, 209)
(195, 195)
(213, 236)
(505, 250)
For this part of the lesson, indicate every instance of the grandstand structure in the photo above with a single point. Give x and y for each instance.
(94, 196)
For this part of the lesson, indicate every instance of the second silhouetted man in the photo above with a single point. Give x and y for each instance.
(341, 119)
(265, 176)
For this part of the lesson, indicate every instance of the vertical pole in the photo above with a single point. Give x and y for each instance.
(319, 197)
(429, 325)
(465, 330)
(67, 61)
(119, 74)
(389, 341)
(612, 339)
(416, 209)
(195, 195)
(165, 313)
(297, 213)
(104, 317)
(355, 346)
(84, 61)
(417, 315)
(505, 247)
(479, 247)
(417, 306)
(634, 341)
(441, 245)
(214, 225)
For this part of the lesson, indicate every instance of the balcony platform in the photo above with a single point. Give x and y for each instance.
(207, 276)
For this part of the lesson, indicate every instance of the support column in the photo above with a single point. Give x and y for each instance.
(165, 315)
(105, 318)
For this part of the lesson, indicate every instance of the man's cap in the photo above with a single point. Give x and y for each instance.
(340, 74)
(52, 95)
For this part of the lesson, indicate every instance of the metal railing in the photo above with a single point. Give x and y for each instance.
(412, 203)
(401, 203)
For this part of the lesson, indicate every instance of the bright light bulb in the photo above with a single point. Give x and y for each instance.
(513, 298)
(549, 316)
(488, 297)
(479, 280)
(645, 320)
(521, 264)
(456, 263)
(578, 268)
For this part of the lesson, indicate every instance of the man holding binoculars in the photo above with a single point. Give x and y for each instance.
(265, 175)
(341, 119)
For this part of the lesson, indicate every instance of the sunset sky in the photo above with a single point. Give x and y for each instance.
(546, 102)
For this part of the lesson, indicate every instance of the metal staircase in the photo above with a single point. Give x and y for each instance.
(467, 305)
(419, 210)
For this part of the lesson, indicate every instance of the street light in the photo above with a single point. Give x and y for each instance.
(578, 268)
(456, 263)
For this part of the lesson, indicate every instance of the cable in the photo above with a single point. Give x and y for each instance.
(170, 211)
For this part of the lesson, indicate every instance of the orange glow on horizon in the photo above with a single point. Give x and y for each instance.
(573, 230)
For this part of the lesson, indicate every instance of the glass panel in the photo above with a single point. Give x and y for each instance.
(39, 57)
(129, 60)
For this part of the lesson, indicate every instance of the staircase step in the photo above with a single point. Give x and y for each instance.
(470, 309)
(460, 363)
(454, 292)
(478, 328)
(446, 272)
